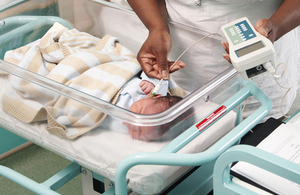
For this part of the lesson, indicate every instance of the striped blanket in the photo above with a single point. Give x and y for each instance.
(96, 66)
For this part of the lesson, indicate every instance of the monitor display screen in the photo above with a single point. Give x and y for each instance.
(249, 49)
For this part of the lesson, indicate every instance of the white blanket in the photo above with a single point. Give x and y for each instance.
(99, 67)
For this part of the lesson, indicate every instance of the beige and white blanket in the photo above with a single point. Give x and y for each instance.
(79, 60)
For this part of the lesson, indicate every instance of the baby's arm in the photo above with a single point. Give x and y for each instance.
(146, 86)
(152, 82)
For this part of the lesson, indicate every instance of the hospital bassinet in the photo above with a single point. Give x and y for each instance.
(151, 166)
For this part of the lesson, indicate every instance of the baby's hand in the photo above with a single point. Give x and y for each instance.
(146, 86)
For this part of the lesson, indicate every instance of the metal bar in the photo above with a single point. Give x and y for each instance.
(21, 20)
(10, 4)
(110, 191)
(16, 32)
(25, 181)
(62, 177)
(15, 150)
(28, 24)
(265, 160)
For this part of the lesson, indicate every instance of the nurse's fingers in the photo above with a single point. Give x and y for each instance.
(226, 57)
(179, 65)
(225, 46)
(162, 62)
(149, 65)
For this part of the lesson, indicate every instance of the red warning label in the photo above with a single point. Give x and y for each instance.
(211, 118)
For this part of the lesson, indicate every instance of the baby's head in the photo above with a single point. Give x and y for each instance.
(154, 105)
(150, 105)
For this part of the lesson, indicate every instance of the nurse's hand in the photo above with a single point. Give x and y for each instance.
(226, 47)
(154, 53)
(264, 27)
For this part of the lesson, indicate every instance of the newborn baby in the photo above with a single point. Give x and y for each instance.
(136, 97)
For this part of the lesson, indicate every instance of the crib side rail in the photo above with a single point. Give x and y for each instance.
(258, 157)
(167, 155)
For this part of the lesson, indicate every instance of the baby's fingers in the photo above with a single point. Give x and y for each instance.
(146, 87)
(147, 90)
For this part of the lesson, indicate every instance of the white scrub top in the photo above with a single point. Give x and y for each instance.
(208, 17)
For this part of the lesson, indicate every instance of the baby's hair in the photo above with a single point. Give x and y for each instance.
(170, 100)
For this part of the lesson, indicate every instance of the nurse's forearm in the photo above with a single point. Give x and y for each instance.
(286, 18)
(152, 13)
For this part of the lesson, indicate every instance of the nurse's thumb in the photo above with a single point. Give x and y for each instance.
(263, 27)
(163, 67)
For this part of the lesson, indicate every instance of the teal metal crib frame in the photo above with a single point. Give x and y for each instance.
(167, 155)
